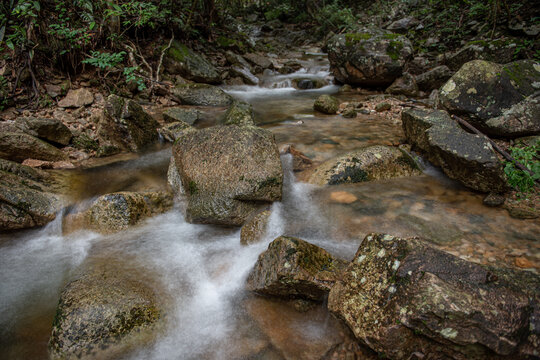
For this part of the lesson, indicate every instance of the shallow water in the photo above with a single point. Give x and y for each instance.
(200, 270)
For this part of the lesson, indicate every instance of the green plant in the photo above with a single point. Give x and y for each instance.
(105, 60)
(528, 156)
(131, 76)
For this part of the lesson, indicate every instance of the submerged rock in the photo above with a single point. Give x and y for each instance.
(126, 125)
(406, 300)
(468, 158)
(294, 268)
(227, 172)
(19, 146)
(181, 60)
(239, 113)
(27, 198)
(326, 104)
(201, 95)
(367, 164)
(118, 211)
(254, 229)
(483, 90)
(372, 57)
(102, 314)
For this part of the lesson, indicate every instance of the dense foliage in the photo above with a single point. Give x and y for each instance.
(524, 181)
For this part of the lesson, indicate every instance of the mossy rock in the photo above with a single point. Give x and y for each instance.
(294, 268)
(326, 104)
(181, 60)
(239, 113)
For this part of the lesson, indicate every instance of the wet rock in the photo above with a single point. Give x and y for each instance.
(239, 113)
(245, 74)
(19, 146)
(77, 98)
(372, 57)
(300, 162)
(466, 157)
(26, 197)
(238, 60)
(260, 62)
(48, 164)
(102, 314)
(434, 232)
(483, 90)
(494, 200)
(405, 85)
(307, 84)
(174, 114)
(171, 132)
(115, 212)
(227, 172)
(181, 60)
(294, 268)
(51, 130)
(367, 164)
(126, 125)
(521, 119)
(406, 300)
(342, 197)
(201, 95)
(522, 208)
(384, 106)
(434, 78)
(326, 104)
(254, 229)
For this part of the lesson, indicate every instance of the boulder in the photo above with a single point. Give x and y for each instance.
(255, 227)
(521, 119)
(245, 74)
(51, 130)
(171, 132)
(434, 78)
(468, 158)
(126, 125)
(26, 197)
(482, 90)
(201, 95)
(239, 113)
(407, 300)
(367, 164)
(181, 60)
(260, 62)
(326, 104)
(227, 172)
(19, 146)
(495, 50)
(294, 268)
(174, 114)
(115, 212)
(77, 98)
(104, 313)
(405, 85)
(237, 60)
(372, 57)
(402, 25)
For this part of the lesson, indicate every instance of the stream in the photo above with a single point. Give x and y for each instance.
(200, 270)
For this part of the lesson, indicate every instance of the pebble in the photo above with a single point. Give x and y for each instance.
(523, 263)
(342, 197)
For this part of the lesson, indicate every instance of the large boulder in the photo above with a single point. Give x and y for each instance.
(521, 119)
(201, 95)
(27, 197)
(405, 299)
(118, 211)
(181, 60)
(126, 125)
(372, 57)
(482, 90)
(294, 268)
(496, 50)
(226, 172)
(51, 130)
(367, 164)
(20, 146)
(468, 158)
(104, 313)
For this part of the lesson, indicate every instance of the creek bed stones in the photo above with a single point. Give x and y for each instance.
(17, 147)
(294, 268)
(201, 95)
(404, 299)
(226, 172)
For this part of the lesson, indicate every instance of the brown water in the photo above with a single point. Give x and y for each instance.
(200, 270)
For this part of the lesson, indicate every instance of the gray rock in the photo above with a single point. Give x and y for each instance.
(367, 164)
(521, 119)
(239, 113)
(260, 62)
(227, 172)
(405, 85)
(434, 78)
(174, 114)
(171, 132)
(496, 51)
(51, 130)
(372, 57)
(294, 268)
(406, 300)
(77, 98)
(245, 74)
(326, 104)
(181, 60)
(19, 146)
(466, 157)
(201, 94)
(402, 25)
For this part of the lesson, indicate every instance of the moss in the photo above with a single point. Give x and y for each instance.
(356, 37)
(394, 48)
(270, 182)
(391, 36)
(85, 142)
(178, 51)
(192, 188)
(351, 174)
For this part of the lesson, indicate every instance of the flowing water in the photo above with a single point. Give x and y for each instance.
(200, 270)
